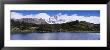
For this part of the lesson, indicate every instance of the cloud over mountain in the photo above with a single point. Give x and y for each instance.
(60, 16)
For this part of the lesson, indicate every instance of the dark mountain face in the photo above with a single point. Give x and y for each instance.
(32, 20)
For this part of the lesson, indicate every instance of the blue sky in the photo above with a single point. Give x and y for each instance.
(54, 12)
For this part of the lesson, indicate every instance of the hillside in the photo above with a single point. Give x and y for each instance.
(42, 26)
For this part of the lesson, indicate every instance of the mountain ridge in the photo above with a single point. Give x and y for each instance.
(59, 18)
(52, 20)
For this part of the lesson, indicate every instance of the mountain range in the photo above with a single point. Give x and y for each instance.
(51, 20)
(57, 19)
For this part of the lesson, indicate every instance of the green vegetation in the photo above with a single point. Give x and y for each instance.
(74, 26)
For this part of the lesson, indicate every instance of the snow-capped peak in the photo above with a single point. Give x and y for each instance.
(57, 19)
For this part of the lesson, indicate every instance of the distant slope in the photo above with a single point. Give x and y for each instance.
(32, 20)
(27, 25)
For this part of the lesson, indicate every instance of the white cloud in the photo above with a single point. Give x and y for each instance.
(16, 15)
(43, 16)
(92, 19)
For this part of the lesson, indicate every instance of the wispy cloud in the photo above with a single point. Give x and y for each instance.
(91, 19)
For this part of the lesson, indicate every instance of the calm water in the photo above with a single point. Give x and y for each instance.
(55, 36)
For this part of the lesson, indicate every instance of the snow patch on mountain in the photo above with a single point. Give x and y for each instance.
(57, 19)
(65, 18)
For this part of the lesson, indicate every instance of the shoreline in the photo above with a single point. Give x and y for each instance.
(59, 32)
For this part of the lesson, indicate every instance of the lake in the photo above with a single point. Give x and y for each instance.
(55, 36)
